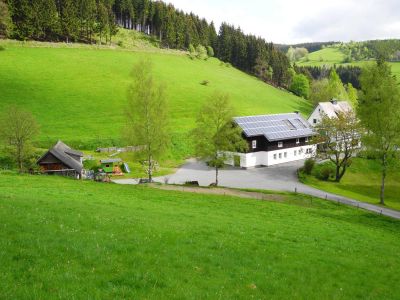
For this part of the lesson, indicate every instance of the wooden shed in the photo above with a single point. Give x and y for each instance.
(111, 166)
(62, 160)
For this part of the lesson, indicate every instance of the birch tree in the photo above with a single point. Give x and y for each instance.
(147, 116)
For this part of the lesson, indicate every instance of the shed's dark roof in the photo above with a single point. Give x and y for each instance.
(110, 161)
(275, 127)
(63, 152)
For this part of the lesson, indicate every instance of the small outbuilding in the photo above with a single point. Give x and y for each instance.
(62, 160)
(111, 166)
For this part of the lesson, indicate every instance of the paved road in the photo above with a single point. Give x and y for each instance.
(278, 178)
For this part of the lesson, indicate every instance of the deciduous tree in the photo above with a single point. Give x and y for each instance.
(17, 130)
(339, 139)
(147, 116)
(379, 111)
(300, 86)
(215, 135)
(5, 19)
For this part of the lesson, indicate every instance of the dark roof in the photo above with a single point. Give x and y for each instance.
(110, 161)
(275, 127)
(62, 152)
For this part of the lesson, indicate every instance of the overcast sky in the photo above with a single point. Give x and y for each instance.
(295, 21)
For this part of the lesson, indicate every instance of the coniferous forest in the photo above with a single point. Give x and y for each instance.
(83, 20)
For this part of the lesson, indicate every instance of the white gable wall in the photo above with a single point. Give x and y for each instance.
(316, 115)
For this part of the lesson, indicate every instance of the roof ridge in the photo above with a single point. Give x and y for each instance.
(268, 115)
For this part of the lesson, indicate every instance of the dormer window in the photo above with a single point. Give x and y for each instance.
(280, 144)
(254, 144)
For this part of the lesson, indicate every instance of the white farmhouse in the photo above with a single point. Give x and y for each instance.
(274, 139)
(330, 109)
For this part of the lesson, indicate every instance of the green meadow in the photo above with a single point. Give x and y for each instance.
(333, 56)
(78, 93)
(139, 242)
(362, 182)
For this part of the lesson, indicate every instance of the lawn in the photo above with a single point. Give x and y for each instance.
(69, 239)
(78, 93)
(362, 182)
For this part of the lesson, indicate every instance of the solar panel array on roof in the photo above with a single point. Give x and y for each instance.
(275, 127)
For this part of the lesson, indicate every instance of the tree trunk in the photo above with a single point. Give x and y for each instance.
(337, 177)
(384, 167)
(19, 159)
(216, 176)
(150, 170)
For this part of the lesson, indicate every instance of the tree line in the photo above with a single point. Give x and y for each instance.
(311, 47)
(253, 55)
(347, 74)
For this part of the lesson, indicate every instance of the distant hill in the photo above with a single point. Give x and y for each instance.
(77, 92)
(332, 56)
(311, 47)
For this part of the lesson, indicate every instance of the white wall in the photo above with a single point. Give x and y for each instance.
(317, 115)
(264, 158)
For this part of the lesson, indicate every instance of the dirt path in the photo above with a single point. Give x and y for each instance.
(277, 198)
(221, 192)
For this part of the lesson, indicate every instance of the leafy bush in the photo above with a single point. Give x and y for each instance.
(300, 86)
(205, 82)
(201, 52)
(309, 166)
(210, 51)
(192, 51)
(91, 164)
(325, 172)
(2, 48)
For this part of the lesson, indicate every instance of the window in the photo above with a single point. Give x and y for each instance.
(295, 152)
(280, 155)
(275, 156)
(306, 139)
(309, 151)
(254, 144)
(285, 154)
(280, 144)
(297, 141)
(315, 121)
(107, 166)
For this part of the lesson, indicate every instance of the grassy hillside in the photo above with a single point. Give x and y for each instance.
(332, 56)
(362, 182)
(323, 57)
(69, 239)
(78, 93)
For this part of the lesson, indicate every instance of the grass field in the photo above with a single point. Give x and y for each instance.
(78, 93)
(323, 57)
(362, 182)
(69, 239)
(333, 56)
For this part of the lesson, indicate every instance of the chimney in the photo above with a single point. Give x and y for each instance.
(334, 101)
